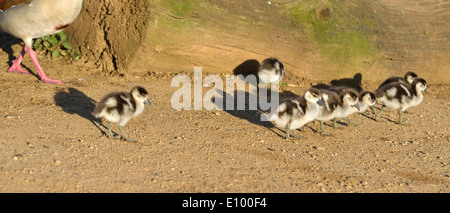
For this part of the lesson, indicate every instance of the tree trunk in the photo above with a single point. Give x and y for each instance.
(110, 32)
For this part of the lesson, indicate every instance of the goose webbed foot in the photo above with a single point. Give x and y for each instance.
(335, 124)
(294, 133)
(110, 135)
(400, 120)
(322, 130)
(377, 117)
(125, 136)
(323, 133)
(350, 121)
(15, 67)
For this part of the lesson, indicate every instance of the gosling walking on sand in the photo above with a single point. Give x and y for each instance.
(120, 107)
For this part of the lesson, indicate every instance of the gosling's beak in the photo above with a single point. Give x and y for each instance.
(372, 107)
(426, 91)
(148, 102)
(320, 102)
(357, 106)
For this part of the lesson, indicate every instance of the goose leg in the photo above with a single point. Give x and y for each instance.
(41, 73)
(287, 132)
(377, 118)
(125, 136)
(288, 136)
(297, 136)
(400, 120)
(15, 67)
(351, 121)
(335, 125)
(109, 131)
(322, 130)
(372, 108)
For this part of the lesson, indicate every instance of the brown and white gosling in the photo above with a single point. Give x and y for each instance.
(400, 96)
(336, 105)
(270, 71)
(292, 114)
(120, 107)
(366, 99)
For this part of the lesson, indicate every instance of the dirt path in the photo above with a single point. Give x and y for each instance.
(49, 143)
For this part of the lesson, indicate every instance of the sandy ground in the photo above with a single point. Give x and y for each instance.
(50, 142)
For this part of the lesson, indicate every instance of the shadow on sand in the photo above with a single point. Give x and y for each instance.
(6, 42)
(245, 109)
(73, 101)
(248, 67)
(354, 83)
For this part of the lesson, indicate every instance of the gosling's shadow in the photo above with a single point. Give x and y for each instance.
(243, 105)
(369, 115)
(73, 101)
(354, 82)
(248, 68)
(247, 106)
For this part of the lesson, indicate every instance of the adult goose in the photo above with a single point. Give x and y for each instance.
(29, 19)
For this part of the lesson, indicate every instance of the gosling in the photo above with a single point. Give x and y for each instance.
(366, 99)
(400, 96)
(292, 114)
(271, 71)
(120, 107)
(336, 105)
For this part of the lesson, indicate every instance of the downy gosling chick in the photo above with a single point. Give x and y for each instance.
(366, 99)
(400, 96)
(270, 71)
(336, 105)
(292, 114)
(120, 107)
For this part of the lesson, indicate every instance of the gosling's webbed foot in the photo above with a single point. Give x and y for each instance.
(113, 136)
(335, 124)
(288, 136)
(125, 136)
(378, 119)
(291, 137)
(337, 127)
(405, 124)
(323, 133)
(322, 130)
(297, 136)
(130, 140)
(110, 135)
(400, 119)
(351, 121)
